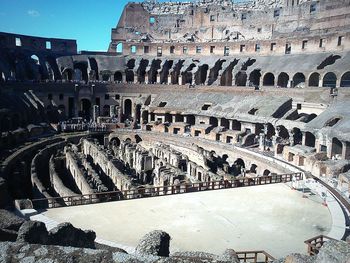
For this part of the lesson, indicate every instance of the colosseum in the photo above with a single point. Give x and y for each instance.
(221, 125)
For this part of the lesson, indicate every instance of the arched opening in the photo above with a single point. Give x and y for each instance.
(236, 125)
(119, 48)
(85, 109)
(35, 59)
(283, 80)
(145, 117)
(201, 75)
(115, 141)
(138, 138)
(127, 109)
(94, 69)
(179, 118)
(168, 117)
(105, 110)
(82, 66)
(314, 80)
(330, 80)
(345, 80)
(138, 114)
(337, 147)
(253, 168)
(240, 165)
(241, 79)
(153, 72)
(225, 123)
(141, 71)
(299, 80)
(213, 121)
(297, 136)
(106, 75)
(118, 77)
(191, 119)
(269, 79)
(129, 76)
(310, 139)
(266, 172)
(270, 131)
(283, 132)
(67, 74)
(254, 77)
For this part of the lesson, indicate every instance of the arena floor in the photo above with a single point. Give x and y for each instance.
(273, 218)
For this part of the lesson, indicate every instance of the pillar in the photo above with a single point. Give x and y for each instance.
(180, 79)
(123, 78)
(158, 78)
(346, 151)
(95, 113)
(185, 118)
(337, 85)
(169, 79)
(112, 111)
(173, 118)
(262, 142)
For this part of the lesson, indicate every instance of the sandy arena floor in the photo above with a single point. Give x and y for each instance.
(271, 218)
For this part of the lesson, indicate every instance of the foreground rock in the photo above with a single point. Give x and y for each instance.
(155, 243)
(10, 221)
(335, 252)
(33, 232)
(4, 194)
(67, 235)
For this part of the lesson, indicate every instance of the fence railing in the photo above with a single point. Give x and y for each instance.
(254, 256)
(314, 244)
(143, 192)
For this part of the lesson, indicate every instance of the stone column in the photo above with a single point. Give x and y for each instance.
(123, 78)
(169, 79)
(303, 141)
(180, 79)
(95, 113)
(185, 118)
(346, 151)
(158, 78)
(262, 142)
(146, 78)
(149, 117)
(111, 111)
(173, 118)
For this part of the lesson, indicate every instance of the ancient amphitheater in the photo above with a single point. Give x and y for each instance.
(221, 126)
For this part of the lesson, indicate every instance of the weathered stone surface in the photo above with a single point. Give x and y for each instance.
(296, 258)
(67, 235)
(111, 249)
(335, 252)
(9, 220)
(24, 252)
(155, 243)
(8, 235)
(4, 194)
(33, 232)
(195, 256)
(23, 204)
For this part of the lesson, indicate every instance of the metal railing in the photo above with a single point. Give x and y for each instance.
(314, 244)
(143, 192)
(255, 256)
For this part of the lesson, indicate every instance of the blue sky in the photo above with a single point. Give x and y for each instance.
(87, 21)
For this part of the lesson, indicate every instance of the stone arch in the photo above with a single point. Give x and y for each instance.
(201, 75)
(298, 79)
(253, 168)
(269, 79)
(127, 108)
(35, 59)
(225, 123)
(241, 78)
(314, 80)
(119, 48)
(82, 66)
(310, 139)
(115, 141)
(85, 108)
(254, 77)
(330, 80)
(297, 136)
(213, 121)
(283, 79)
(345, 80)
(337, 147)
(266, 172)
(67, 74)
(283, 132)
(239, 162)
(118, 77)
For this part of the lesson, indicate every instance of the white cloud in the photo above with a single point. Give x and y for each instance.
(33, 13)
